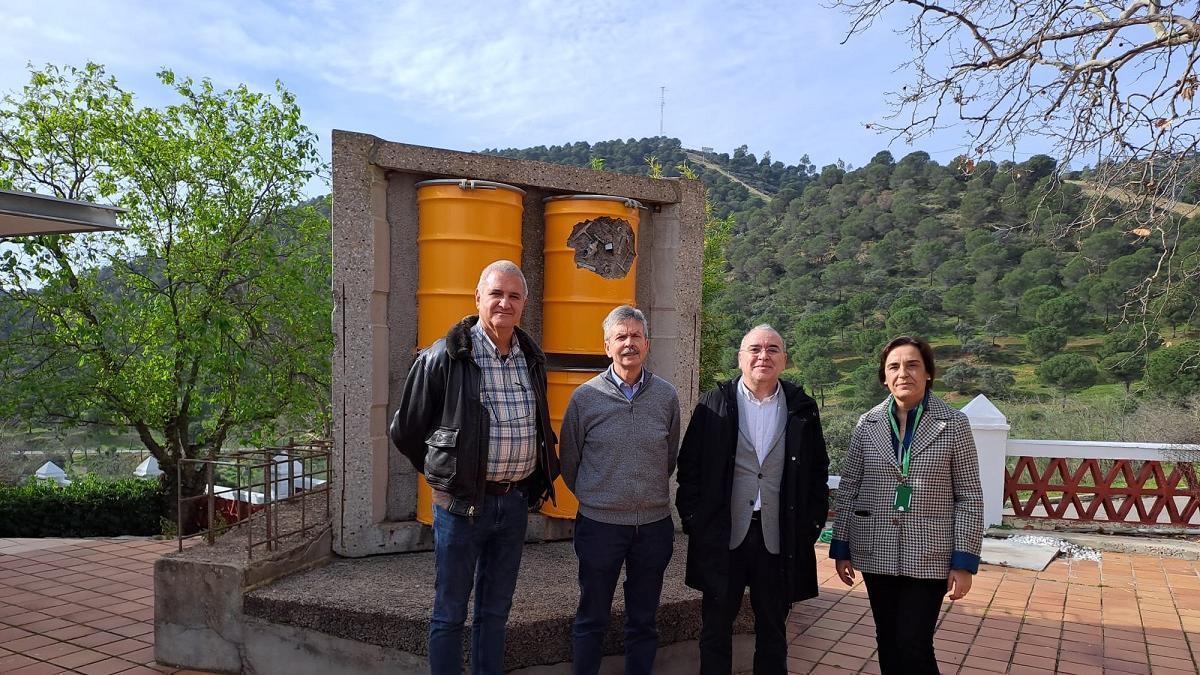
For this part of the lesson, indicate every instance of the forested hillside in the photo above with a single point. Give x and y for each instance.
(975, 256)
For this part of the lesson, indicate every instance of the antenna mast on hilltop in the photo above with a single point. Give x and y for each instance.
(662, 104)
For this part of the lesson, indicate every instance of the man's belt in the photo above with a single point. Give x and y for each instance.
(498, 488)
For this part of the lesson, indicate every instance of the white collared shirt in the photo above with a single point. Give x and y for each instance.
(760, 421)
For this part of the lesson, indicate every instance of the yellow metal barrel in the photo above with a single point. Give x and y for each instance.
(560, 384)
(591, 248)
(462, 226)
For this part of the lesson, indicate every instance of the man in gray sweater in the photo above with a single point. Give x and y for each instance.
(620, 440)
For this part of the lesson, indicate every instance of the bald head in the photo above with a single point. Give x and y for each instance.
(761, 359)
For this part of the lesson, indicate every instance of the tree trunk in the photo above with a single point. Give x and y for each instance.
(191, 516)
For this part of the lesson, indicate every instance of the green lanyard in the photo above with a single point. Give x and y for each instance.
(909, 433)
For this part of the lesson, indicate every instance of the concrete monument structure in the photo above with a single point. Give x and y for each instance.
(375, 320)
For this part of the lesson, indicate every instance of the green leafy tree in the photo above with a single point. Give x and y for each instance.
(1033, 298)
(208, 318)
(1065, 312)
(1105, 296)
(1174, 372)
(1067, 373)
(1045, 341)
(909, 321)
(995, 381)
(1130, 338)
(715, 325)
(865, 388)
(952, 272)
(862, 306)
(1016, 282)
(820, 374)
(1125, 367)
(957, 301)
(840, 276)
(868, 342)
(960, 377)
(928, 256)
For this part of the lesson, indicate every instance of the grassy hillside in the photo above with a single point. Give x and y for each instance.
(980, 258)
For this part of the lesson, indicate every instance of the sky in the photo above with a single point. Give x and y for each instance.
(773, 75)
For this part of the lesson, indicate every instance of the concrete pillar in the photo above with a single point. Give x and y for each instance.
(990, 428)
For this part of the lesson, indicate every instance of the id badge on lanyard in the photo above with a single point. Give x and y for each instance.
(903, 501)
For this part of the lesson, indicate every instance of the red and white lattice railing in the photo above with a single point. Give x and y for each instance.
(1125, 483)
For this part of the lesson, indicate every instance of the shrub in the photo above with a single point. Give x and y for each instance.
(960, 377)
(996, 382)
(1045, 341)
(1174, 372)
(89, 507)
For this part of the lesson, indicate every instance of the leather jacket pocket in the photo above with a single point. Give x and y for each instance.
(441, 456)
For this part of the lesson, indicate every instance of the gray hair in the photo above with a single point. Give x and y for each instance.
(503, 267)
(765, 327)
(621, 315)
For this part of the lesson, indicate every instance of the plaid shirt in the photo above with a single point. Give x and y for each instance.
(507, 394)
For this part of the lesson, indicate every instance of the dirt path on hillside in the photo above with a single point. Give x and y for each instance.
(1123, 195)
(702, 161)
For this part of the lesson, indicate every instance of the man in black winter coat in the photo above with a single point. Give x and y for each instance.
(753, 498)
(474, 420)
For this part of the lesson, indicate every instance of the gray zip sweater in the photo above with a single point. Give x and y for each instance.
(618, 455)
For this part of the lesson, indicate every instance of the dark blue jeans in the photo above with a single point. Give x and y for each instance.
(484, 552)
(602, 548)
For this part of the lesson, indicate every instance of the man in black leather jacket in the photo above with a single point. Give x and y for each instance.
(474, 420)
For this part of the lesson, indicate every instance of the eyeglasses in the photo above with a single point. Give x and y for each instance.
(758, 350)
(510, 403)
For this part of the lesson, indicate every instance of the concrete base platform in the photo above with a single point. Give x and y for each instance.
(362, 615)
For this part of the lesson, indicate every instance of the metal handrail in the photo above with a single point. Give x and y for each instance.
(315, 459)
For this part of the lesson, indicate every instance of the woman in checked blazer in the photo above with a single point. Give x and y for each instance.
(909, 508)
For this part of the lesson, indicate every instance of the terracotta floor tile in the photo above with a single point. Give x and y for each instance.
(96, 638)
(1077, 668)
(27, 643)
(142, 655)
(1004, 643)
(139, 629)
(69, 632)
(807, 653)
(14, 661)
(80, 658)
(988, 665)
(111, 622)
(1117, 665)
(989, 653)
(1020, 669)
(121, 647)
(106, 667)
(36, 669)
(800, 665)
(843, 660)
(1158, 663)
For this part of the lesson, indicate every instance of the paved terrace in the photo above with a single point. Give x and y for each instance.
(86, 606)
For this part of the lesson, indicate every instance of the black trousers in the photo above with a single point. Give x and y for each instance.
(750, 564)
(906, 613)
